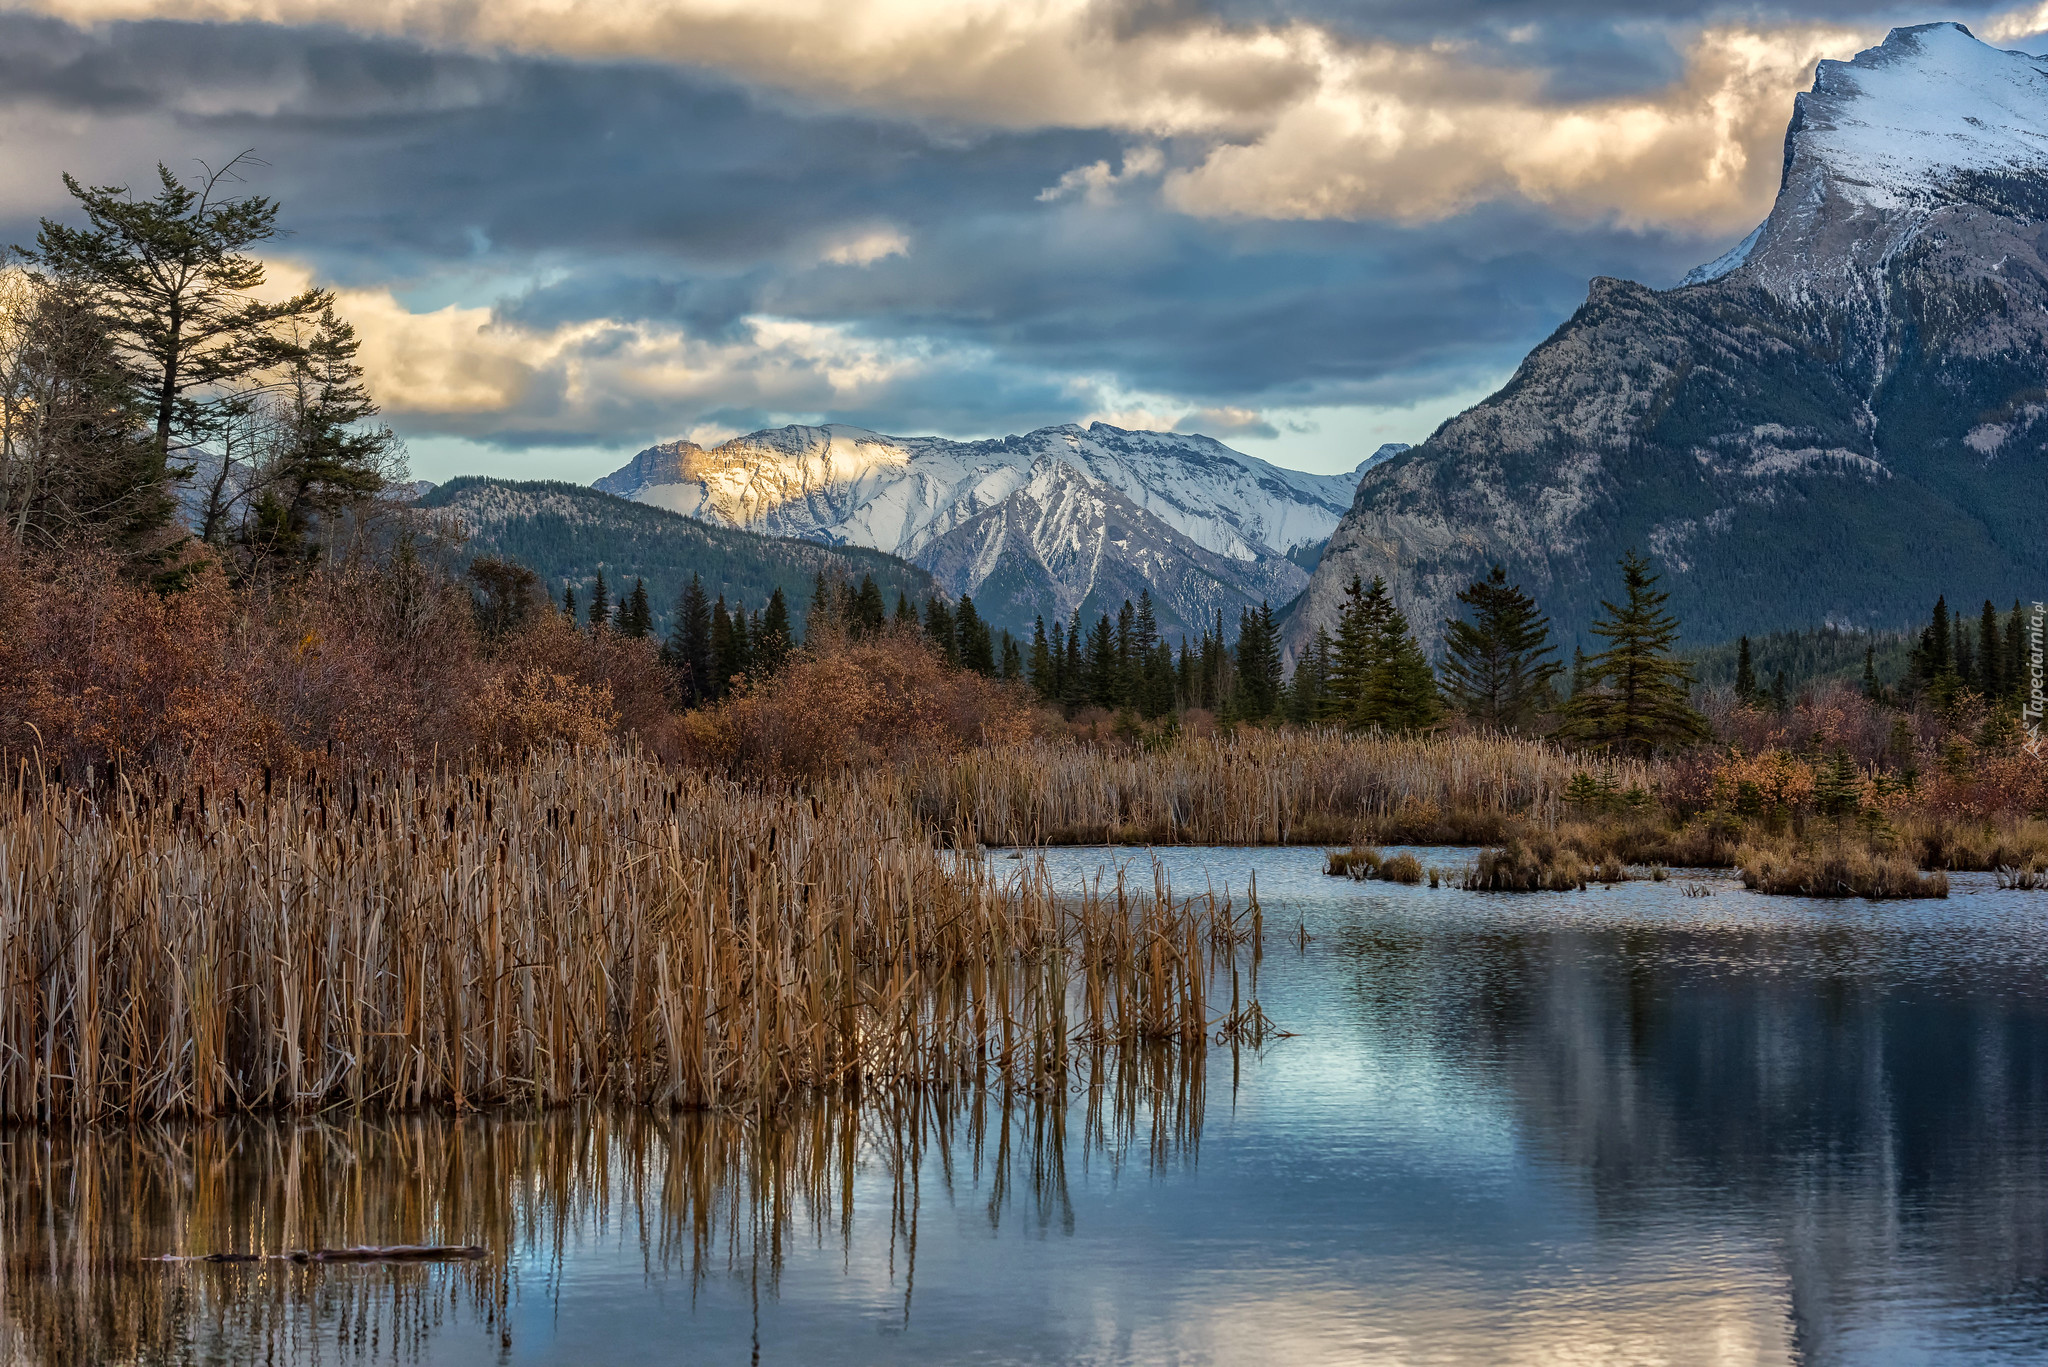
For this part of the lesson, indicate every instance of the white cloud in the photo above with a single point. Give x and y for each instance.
(1097, 184)
(866, 248)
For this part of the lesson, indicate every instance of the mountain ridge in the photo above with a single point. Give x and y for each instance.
(1834, 421)
(1044, 523)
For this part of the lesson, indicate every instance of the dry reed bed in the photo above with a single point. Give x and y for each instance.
(584, 925)
(1253, 788)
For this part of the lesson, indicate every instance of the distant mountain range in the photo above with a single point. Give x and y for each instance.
(567, 534)
(1056, 520)
(1840, 418)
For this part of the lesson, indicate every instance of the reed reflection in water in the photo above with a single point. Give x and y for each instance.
(88, 1214)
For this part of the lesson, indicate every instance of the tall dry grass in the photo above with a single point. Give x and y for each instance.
(1256, 787)
(584, 924)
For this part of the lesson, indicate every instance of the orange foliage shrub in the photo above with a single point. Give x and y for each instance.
(357, 663)
(849, 703)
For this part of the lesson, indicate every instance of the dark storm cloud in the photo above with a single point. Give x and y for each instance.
(639, 194)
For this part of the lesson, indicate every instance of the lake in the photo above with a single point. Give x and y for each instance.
(1622, 1125)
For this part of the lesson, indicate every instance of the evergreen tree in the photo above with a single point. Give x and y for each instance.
(600, 605)
(1044, 682)
(1964, 655)
(1306, 692)
(869, 614)
(738, 658)
(1990, 659)
(569, 602)
(1156, 685)
(1494, 666)
(1582, 672)
(1637, 695)
(636, 618)
(772, 642)
(1258, 664)
(1076, 672)
(1400, 692)
(906, 615)
(823, 616)
(1745, 673)
(1127, 662)
(689, 643)
(1012, 663)
(1352, 660)
(73, 461)
(974, 645)
(2017, 675)
(1872, 689)
(1781, 698)
(938, 629)
(721, 650)
(1101, 665)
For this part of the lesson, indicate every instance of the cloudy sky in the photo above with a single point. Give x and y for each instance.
(567, 228)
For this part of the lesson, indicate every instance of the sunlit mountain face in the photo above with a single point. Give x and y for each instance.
(1302, 229)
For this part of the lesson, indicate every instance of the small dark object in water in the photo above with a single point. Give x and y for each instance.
(385, 1253)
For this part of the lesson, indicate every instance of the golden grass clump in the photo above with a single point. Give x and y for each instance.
(1538, 864)
(584, 924)
(1357, 863)
(1839, 869)
(1402, 868)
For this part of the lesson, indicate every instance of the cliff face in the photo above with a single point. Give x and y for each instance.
(1834, 422)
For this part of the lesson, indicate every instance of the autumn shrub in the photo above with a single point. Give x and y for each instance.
(845, 703)
(358, 662)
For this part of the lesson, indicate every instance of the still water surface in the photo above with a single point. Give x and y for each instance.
(1623, 1125)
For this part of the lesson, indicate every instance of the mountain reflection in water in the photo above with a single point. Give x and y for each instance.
(1619, 1125)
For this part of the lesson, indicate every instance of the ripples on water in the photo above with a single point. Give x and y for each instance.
(1622, 1125)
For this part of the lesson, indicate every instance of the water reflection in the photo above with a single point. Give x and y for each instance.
(1623, 1125)
(89, 1215)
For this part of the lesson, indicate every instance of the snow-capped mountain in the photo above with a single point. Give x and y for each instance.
(1839, 418)
(1041, 524)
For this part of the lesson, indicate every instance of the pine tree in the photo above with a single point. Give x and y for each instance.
(1582, 672)
(1400, 693)
(1306, 691)
(1838, 787)
(1745, 673)
(938, 629)
(569, 602)
(1494, 666)
(1965, 656)
(1990, 659)
(869, 614)
(721, 649)
(689, 643)
(2015, 653)
(1352, 660)
(906, 615)
(1258, 663)
(823, 616)
(636, 618)
(1011, 665)
(1872, 689)
(1636, 699)
(1076, 672)
(1101, 665)
(974, 648)
(739, 652)
(1156, 690)
(772, 642)
(600, 605)
(1781, 697)
(1044, 682)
